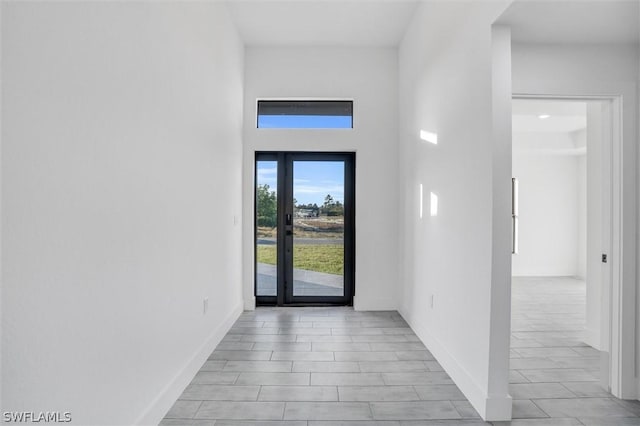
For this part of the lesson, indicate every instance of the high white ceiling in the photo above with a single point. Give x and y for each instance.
(564, 116)
(383, 22)
(322, 22)
(574, 21)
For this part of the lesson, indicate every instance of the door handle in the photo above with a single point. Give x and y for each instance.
(514, 215)
(288, 219)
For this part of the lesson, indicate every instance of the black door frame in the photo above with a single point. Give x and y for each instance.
(284, 239)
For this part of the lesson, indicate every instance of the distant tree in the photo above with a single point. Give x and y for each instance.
(266, 206)
(328, 201)
(332, 207)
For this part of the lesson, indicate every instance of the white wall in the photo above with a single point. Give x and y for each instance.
(580, 138)
(595, 208)
(445, 63)
(601, 70)
(548, 207)
(369, 76)
(121, 158)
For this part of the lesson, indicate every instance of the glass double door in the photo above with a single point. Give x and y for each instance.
(304, 228)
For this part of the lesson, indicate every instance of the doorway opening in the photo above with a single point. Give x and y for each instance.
(561, 283)
(304, 228)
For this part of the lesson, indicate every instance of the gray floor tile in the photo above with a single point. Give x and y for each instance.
(517, 377)
(576, 362)
(240, 355)
(282, 346)
(462, 422)
(220, 393)
(248, 323)
(586, 389)
(377, 393)
(267, 379)
(384, 338)
(582, 407)
(303, 356)
(539, 390)
(465, 409)
(213, 366)
(399, 346)
(532, 363)
(526, 409)
(336, 324)
(241, 410)
(433, 366)
(327, 411)
(306, 331)
(440, 393)
(346, 379)
(558, 375)
(525, 343)
(298, 393)
(356, 331)
(414, 410)
(391, 366)
(259, 423)
(366, 356)
(417, 378)
(603, 421)
(415, 356)
(234, 346)
(324, 339)
(630, 405)
(310, 362)
(178, 422)
(215, 378)
(326, 367)
(397, 330)
(259, 366)
(186, 422)
(251, 330)
(547, 352)
(541, 422)
(183, 409)
(288, 324)
(587, 351)
(268, 338)
(340, 347)
(353, 423)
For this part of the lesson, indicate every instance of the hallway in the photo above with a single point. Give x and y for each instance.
(335, 366)
(293, 365)
(554, 375)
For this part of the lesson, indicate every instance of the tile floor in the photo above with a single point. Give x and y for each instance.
(335, 366)
(554, 375)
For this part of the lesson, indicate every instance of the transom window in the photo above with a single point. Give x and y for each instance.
(305, 114)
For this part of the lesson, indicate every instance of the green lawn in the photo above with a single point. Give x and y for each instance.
(327, 258)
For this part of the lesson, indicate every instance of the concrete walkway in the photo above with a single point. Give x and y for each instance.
(306, 283)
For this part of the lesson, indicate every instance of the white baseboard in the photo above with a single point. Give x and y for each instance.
(490, 407)
(250, 304)
(592, 338)
(163, 402)
(373, 304)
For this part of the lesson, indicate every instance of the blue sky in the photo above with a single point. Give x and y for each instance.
(312, 180)
(304, 121)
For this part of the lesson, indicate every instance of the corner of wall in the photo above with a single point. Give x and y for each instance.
(250, 304)
(374, 304)
(163, 402)
(490, 407)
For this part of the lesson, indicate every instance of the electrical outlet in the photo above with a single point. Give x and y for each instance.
(432, 297)
(205, 305)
